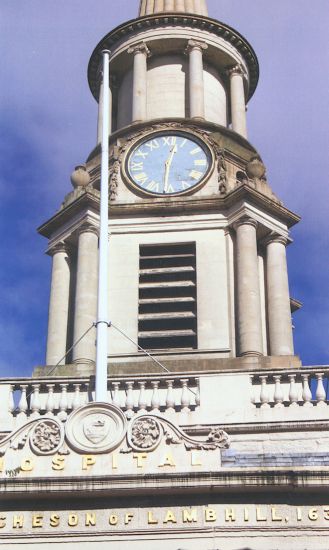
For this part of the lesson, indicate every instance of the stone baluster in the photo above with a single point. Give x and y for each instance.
(264, 393)
(11, 402)
(141, 53)
(253, 397)
(196, 84)
(320, 391)
(249, 320)
(197, 393)
(50, 402)
(76, 402)
(238, 100)
(142, 401)
(130, 399)
(23, 405)
(35, 401)
(63, 403)
(307, 394)
(155, 401)
(278, 393)
(170, 398)
(293, 391)
(185, 397)
(116, 394)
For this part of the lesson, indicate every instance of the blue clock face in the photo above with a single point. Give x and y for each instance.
(168, 163)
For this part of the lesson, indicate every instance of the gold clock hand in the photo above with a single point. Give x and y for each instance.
(168, 164)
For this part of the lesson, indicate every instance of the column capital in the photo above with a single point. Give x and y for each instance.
(245, 220)
(140, 48)
(236, 70)
(88, 227)
(62, 246)
(195, 45)
(274, 237)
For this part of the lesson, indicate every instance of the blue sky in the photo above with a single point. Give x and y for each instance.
(48, 125)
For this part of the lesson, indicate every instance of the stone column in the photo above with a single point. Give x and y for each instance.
(58, 305)
(86, 294)
(249, 320)
(100, 112)
(196, 84)
(238, 101)
(278, 297)
(141, 53)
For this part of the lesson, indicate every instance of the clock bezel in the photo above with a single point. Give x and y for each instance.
(189, 134)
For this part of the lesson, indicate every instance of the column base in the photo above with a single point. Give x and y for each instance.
(251, 354)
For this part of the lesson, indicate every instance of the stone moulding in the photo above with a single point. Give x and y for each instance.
(123, 32)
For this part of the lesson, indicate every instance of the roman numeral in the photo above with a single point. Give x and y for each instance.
(136, 166)
(154, 144)
(141, 178)
(140, 153)
(185, 185)
(170, 140)
(170, 189)
(195, 174)
(200, 162)
(195, 151)
(183, 143)
(153, 186)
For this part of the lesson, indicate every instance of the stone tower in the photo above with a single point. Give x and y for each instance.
(197, 247)
(210, 435)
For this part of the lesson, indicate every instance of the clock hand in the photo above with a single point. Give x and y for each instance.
(168, 164)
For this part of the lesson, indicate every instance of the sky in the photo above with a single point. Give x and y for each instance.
(48, 126)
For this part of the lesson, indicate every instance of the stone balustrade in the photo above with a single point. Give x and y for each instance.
(303, 388)
(56, 397)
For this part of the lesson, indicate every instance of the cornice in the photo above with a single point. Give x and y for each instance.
(246, 479)
(171, 206)
(126, 30)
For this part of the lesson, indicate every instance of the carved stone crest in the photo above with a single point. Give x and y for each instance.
(96, 428)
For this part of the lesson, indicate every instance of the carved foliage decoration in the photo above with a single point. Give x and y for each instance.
(45, 436)
(147, 431)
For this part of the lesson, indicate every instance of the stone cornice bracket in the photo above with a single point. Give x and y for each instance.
(245, 220)
(195, 45)
(87, 227)
(236, 70)
(139, 48)
(274, 237)
(62, 246)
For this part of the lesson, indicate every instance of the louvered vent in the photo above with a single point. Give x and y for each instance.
(167, 297)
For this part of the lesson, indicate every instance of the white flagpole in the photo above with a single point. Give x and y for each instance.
(102, 311)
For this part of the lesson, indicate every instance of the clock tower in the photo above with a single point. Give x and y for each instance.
(206, 433)
(197, 238)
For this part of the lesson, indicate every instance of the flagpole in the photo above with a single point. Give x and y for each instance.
(102, 310)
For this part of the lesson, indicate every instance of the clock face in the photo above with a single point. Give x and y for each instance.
(168, 163)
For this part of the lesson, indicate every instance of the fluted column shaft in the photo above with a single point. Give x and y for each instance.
(86, 294)
(139, 110)
(248, 291)
(279, 312)
(100, 112)
(58, 305)
(238, 101)
(196, 83)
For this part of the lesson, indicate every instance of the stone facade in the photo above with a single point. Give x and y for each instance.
(215, 436)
